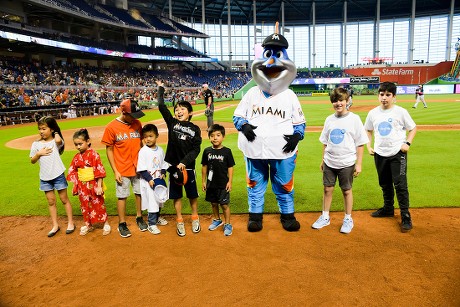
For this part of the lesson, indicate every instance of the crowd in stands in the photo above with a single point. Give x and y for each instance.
(24, 84)
(313, 74)
(31, 84)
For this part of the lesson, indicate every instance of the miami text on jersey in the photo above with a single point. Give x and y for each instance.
(269, 110)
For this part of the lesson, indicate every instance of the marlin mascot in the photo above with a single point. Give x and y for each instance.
(271, 123)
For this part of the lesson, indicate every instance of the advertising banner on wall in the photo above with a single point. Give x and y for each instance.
(402, 74)
(427, 89)
(401, 90)
(303, 81)
(439, 89)
(364, 80)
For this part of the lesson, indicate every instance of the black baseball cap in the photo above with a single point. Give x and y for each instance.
(177, 176)
(275, 39)
(131, 108)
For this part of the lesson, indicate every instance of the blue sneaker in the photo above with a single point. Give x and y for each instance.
(228, 230)
(215, 223)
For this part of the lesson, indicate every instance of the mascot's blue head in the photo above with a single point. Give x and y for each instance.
(274, 71)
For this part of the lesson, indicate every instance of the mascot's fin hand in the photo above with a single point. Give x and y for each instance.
(292, 141)
(248, 131)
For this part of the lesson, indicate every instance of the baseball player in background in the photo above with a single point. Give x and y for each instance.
(270, 122)
(419, 96)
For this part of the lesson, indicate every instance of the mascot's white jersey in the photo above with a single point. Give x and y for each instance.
(274, 117)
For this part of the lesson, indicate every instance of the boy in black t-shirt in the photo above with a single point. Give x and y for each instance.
(184, 145)
(217, 175)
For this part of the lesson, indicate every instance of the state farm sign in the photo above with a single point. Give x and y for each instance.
(392, 72)
(403, 74)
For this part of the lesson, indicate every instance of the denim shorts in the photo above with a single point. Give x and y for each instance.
(58, 183)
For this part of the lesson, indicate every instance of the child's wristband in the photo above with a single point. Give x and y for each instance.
(408, 143)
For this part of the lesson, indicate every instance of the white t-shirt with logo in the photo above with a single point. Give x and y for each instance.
(153, 161)
(390, 128)
(342, 135)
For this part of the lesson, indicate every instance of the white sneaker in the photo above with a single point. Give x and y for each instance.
(196, 228)
(162, 221)
(321, 222)
(106, 230)
(347, 225)
(180, 229)
(154, 229)
(85, 229)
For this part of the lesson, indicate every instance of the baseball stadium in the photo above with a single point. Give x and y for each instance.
(100, 100)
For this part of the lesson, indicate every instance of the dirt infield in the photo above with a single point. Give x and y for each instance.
(375, 265)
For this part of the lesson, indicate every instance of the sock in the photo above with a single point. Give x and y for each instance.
(194, 217)
(181, 220)
(326, 214)
(348, 216)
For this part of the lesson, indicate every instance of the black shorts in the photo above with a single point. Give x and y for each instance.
(219, 196)
(175, 190)
(345, 176)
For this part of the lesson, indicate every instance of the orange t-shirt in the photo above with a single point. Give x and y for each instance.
(126, 142)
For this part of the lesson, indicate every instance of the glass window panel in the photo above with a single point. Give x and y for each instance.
(430, 36)
(438, 38)
(386, 46)
(421, 39)
(365, 41)
(351, 35)
(332, 50)
(401, 41)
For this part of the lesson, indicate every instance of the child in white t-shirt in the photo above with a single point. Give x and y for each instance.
(393, 130)
(152, 168)
(343, 137)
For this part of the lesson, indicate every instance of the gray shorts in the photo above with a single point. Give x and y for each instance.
(345, 176)
(123, 189)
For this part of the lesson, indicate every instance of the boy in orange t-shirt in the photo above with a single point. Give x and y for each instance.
(122, 138)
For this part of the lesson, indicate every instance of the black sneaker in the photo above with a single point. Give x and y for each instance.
(382, 212)
(123, 230)
(406, 222)
(141, 224)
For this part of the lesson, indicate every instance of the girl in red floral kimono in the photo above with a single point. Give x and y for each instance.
(86, 172)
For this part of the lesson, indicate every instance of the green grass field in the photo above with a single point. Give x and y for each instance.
(433, 163)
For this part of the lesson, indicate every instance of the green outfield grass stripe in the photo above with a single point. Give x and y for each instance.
(433, 165)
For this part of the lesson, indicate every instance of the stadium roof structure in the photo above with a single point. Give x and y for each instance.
(295, 11)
